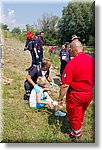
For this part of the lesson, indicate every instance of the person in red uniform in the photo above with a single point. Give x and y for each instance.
(77, 84)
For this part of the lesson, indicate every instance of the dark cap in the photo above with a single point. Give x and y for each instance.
(66, 43)
(38, 33)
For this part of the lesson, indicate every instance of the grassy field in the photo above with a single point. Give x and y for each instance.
(22, 124)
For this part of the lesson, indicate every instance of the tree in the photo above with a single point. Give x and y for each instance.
(76, 19)
(16, 30)
(48, 24)
(4, 27)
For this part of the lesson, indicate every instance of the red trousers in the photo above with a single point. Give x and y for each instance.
(76, 105)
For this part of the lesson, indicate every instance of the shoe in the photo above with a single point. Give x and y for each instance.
(28, 68)
(25, 49)
(60, 113)
(26, 97)
(73, 136)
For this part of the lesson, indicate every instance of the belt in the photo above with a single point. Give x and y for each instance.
(71, 89)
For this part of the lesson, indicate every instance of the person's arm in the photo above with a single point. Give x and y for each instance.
(35, 48)
(39, 101)
(63, 90)
(29, 79)
(49, 79)
(35, 51)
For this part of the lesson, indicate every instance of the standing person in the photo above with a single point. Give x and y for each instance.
(29, 36)
(42, 97)
(64, 57)
(33, 74)
(41, 48)
(77, 83)
(33, 47)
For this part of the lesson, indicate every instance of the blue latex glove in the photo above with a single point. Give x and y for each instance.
(36, 88)
(52, 85)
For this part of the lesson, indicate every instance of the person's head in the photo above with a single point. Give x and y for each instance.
(67, 45)
(45, 64)
(75, 47)
(63, 46)
(41, 34)
(37, 34)
(75, 37)
(41, 80)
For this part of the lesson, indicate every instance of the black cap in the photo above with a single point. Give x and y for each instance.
(38, 33)
(66, 43)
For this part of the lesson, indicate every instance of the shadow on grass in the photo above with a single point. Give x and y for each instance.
(60, 123)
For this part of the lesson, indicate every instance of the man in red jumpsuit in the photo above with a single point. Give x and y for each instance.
(77, 84)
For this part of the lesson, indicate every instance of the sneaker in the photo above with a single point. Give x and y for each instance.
(25, 48)
(28, 68)
(73, 136)
(60, 113)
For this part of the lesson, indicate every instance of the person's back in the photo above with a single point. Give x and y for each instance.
(83, 79)
(65, 56)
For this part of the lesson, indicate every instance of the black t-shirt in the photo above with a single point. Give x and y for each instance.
(36, 43)
(36, 71)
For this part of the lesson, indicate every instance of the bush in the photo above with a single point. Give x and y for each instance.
(91, 41)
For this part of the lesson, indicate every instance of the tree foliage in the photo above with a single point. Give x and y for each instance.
(48, 24)
(4, 26)
(16, 30)
(77, 18)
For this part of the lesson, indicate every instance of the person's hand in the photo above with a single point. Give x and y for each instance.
(51, 105)
(46, 89)
(36, 88)
(37, 57)
(52, 85)
(60, 104)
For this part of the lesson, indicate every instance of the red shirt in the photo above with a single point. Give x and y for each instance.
(29, 35)
(79, 72)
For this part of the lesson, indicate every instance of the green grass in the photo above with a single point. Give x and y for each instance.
(54, 58)
(22, 124)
